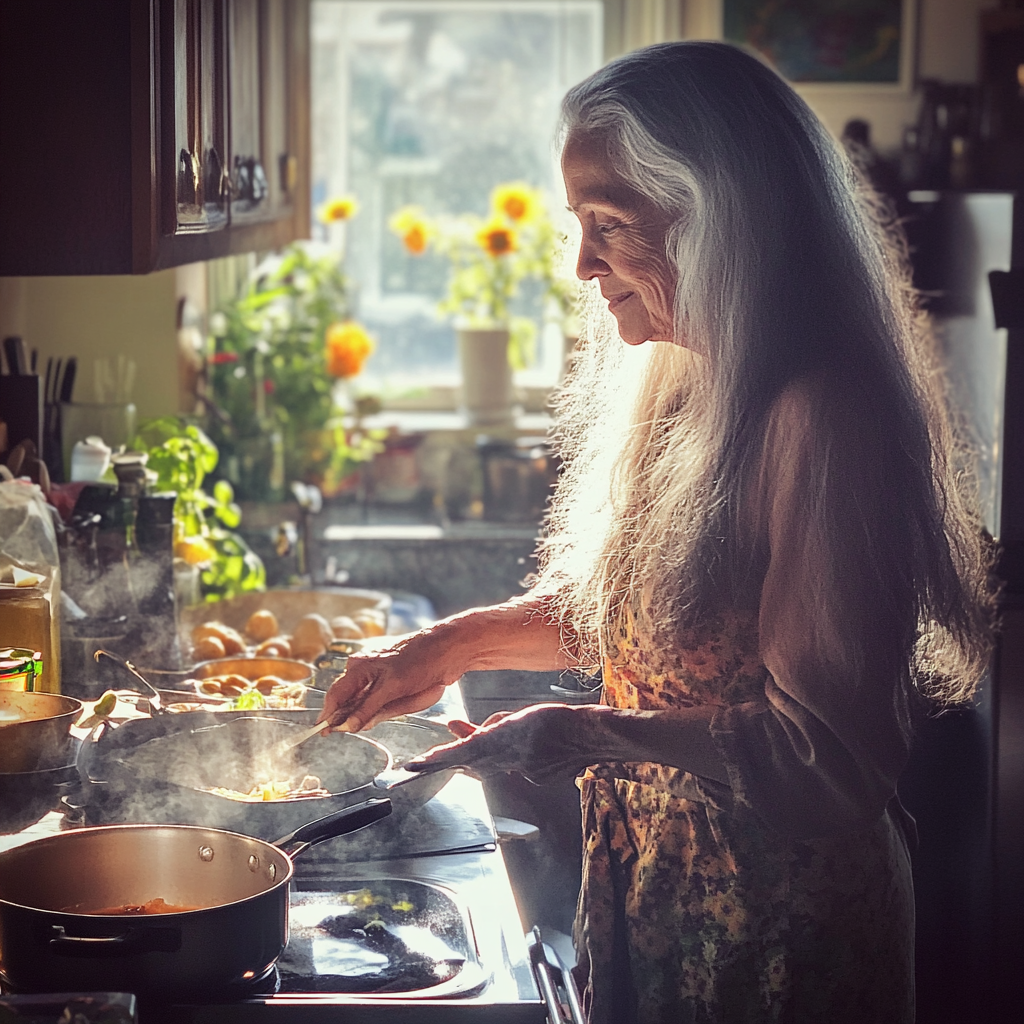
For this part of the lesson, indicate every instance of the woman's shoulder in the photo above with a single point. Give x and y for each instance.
(816, 406)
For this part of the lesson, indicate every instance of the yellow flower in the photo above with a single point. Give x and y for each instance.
(346, 347)
(412, 226)
(194, 550)
(496, 239)
(341, 208)
(517, 201)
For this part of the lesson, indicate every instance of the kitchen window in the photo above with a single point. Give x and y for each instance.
(432, 103)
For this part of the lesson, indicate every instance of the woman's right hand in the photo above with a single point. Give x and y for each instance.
(408, 675)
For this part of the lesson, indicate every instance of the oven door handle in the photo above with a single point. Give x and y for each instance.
(555, 981)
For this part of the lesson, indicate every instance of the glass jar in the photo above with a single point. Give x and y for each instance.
(19, 668)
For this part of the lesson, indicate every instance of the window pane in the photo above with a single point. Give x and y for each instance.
(433, 103)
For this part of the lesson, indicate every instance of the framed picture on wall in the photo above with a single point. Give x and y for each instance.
(835, 43)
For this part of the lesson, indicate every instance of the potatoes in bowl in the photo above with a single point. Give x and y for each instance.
(293, 624)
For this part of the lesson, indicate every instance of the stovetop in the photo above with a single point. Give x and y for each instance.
(472, 941)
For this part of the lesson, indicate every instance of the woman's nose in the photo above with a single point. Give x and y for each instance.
(589, 264)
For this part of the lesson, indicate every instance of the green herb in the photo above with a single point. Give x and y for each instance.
(182, 456)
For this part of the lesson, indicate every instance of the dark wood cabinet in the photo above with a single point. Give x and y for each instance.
(143, 134)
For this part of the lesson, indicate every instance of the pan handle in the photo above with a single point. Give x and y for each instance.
(135, 940)
(340, 823)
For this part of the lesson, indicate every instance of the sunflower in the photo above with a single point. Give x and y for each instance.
(497, 239)
(412, 226)
(341, 208)
(516, 201)
(347, 346)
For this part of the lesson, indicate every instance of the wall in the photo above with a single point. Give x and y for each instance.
(101, 317)
(947, 46)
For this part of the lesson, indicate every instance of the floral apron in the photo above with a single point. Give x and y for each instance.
(692, 915)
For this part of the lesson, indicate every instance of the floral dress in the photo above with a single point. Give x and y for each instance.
(694, 910)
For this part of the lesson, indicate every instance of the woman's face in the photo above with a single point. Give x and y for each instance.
(623, 243)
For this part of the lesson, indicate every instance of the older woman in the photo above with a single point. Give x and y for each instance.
(758, 533)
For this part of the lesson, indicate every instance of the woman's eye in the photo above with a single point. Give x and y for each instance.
(607, 229)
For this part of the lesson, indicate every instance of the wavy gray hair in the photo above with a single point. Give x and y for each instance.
(784, 268)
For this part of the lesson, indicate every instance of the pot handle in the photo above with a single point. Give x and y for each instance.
(135, 940)
(340, 823)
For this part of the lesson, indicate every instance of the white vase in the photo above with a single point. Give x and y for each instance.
(486, 376)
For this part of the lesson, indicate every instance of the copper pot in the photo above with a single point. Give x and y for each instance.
(39, 736)
(57, 934)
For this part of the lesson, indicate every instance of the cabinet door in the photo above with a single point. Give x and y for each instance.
(261, 83)
(194, 51)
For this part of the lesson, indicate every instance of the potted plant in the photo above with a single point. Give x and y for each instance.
(490, 258)
(281, 395)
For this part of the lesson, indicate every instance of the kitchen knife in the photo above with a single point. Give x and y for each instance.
(68, 383)
(14, 350)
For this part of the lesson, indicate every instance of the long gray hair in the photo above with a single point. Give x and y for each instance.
(784, 269)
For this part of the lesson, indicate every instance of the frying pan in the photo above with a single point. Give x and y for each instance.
(231, 892)
(125, 772)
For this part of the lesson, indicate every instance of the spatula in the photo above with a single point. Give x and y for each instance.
(281, 748)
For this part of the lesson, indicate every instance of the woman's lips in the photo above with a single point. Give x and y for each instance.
(618, 300)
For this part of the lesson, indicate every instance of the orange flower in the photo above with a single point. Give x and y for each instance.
(346, 347)
(496, 239)
(342, 208)
(415, 239)
(410, 224)
(194, 550)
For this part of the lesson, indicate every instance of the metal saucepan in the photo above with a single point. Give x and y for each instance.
(229, 891)
(35, 730)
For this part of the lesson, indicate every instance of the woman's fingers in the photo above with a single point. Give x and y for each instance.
(462, 729)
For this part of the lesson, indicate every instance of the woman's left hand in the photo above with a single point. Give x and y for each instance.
(540, 742)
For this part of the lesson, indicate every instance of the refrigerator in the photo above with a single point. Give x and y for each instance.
(965, 781)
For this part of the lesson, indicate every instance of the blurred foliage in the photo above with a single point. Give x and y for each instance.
(182, 456)
(268, 375)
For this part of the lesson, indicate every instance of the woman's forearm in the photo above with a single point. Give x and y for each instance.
(679, 738)
(520, 634)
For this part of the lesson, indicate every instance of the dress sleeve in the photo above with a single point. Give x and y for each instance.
(821, 753)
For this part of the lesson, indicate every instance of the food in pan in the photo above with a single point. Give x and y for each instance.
(275, 647)
(157, 905)
(310, 786)
(246, 694)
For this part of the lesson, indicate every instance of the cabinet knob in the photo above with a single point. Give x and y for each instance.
(188, 178)
(289, 172)
(218, 181)
(249, 180)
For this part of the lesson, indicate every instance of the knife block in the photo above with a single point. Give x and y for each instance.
(21, 408)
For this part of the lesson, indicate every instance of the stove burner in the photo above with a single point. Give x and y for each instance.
(386, 936)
